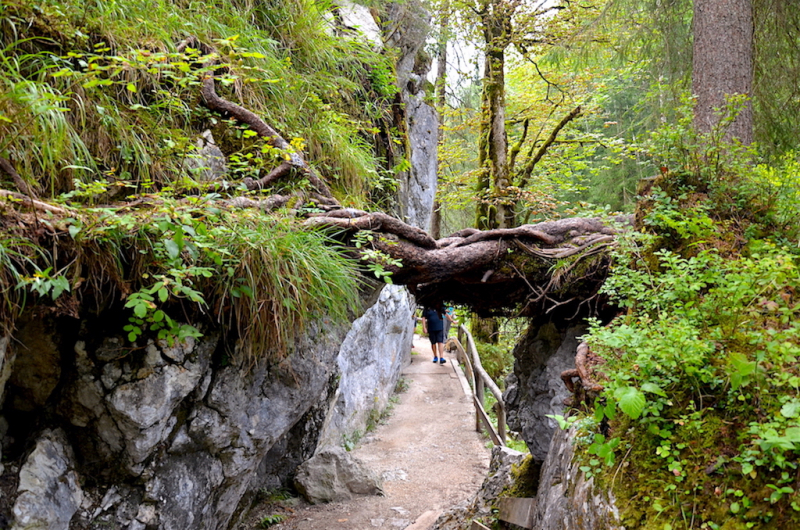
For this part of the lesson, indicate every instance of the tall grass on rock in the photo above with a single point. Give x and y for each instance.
(96, 90)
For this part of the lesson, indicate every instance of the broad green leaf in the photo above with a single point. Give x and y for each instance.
(793, 434)
(140, 310)
(742, 368)
(653, 389)
(631, 401)
(172, 248)
(791, 409)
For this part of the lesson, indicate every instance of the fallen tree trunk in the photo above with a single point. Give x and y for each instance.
(552, 267)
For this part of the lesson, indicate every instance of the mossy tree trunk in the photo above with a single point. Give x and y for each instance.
(494, 210)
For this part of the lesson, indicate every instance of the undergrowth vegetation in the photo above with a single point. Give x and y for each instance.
(259, 276)
(699, 422)
(101, 112)
(97, 90)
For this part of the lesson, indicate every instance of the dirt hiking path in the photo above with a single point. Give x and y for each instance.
(428, 452)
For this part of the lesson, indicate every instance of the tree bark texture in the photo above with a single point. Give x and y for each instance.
(722, 63)
(555, 267)
(493, 142)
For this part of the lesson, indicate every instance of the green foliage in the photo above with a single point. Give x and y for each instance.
(272, 519)
(375, 260)
(702, 366)
(266, 277)
(350, 441)
(86, 95)
(496, 359)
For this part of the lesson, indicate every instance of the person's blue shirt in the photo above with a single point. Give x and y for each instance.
(435, 320)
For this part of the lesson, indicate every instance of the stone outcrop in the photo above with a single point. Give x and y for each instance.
(500, 478)
(334, 475)
(417, 187)
(535, 389)
(566, 498)
(181, 436)
(359, 20)
(48, 493)
(207, 163)
(373, 354)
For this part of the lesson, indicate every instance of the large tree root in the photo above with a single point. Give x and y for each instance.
(548, 268)
(214, 102)
(586, 388)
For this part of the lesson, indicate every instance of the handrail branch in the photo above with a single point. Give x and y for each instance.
(479, 378)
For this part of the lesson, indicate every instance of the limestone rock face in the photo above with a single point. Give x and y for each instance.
(566, 499)
(38, 368)
(535, 388)
(49, 493)
(417, 187)
(423, 129)
(359, 19)
(373, 354)
(208, 162)
(334, 475)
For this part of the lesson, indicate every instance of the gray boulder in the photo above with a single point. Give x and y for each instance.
(566, 498)
(49, 493)
(208, 163)
(334, 475)
(372, 355)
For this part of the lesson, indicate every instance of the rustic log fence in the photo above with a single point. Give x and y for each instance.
(479, 381)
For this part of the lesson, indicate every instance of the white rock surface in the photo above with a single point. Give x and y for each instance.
(49, 491)
(370, 360)
(359, 19)
(335, 475)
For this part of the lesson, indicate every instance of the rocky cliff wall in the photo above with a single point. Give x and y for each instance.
(535, 389)
(417, 186)
(177, 437)
(165, 437)
(566, 498)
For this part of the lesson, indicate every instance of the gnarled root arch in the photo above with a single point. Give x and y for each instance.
(532, 270)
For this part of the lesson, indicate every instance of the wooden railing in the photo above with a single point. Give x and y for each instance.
(479, 381)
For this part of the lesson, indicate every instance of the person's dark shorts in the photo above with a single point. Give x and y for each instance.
(436, 336)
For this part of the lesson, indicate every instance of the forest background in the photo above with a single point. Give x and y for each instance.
(566, 109)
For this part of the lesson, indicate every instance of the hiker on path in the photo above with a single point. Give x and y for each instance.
(433, 319)
(448, 321)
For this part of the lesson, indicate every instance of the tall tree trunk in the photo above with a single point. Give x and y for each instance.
(493, 143)
(723, 62)
(441, 100)
(495, 211)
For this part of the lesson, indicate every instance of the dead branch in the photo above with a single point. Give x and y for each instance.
(376, 222)
(22, 186)
(32, 203)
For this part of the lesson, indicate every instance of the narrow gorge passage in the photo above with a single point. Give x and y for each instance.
(428, 452)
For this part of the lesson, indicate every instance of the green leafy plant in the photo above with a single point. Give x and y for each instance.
(376, 260)
(272, 520)
(43, 283)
